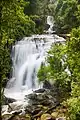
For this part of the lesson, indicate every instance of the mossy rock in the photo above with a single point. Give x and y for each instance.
(6, 116)
(28, 117)
(46, 117)
(54, 114)
(38, 118)
(61, 115)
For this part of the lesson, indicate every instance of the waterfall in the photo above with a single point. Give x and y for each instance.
(50, 22)
(27, 56)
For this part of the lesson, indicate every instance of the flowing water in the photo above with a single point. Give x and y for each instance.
(50, 22)
(27, 56)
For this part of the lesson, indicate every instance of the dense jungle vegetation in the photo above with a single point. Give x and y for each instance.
(64, 59)
(18, 18)
(21, 18)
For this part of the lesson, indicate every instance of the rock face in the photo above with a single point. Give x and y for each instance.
(40, 102)
(47, 85)
(46, 98)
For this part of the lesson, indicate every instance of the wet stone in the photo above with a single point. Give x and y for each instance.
(46, 117)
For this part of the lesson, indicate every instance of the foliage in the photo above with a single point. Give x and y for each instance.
(74, 53)
(67, 20)
(14, 22)
(74, 67)
(66, 15)
(56, 67)
(74, 108)
(39, 23)
(41, 9)
(43, 73)
(37, 7)
(63, 60)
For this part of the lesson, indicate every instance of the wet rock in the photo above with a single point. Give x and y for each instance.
(46, 117)
(17, 106)
(46, 103)
(36, 111)
(40, 90)
(42, 97)
(37, 103)
(6, 116)
(12, 116)
(47, 85)
(46, 98)
(8, 100)
(47, 26)
(54, 114)
(31, 96)
(28, 117)
(15, 118)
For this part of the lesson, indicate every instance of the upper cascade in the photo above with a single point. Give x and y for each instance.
(50, 22)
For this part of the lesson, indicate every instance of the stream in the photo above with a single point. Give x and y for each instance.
(27, 56)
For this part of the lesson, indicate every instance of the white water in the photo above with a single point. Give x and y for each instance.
(50, 22)
(27, 56)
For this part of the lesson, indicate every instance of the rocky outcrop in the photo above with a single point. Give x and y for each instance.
(8, 100)
(42, 105)
(47, 85)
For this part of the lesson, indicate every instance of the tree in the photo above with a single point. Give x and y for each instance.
(65, 15)
(74, 67)
(56, 67)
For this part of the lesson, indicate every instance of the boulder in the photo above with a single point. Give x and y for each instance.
(8, 100)
(54, 114)
(47, 85)
(28, 117)
(6, 116)
(46, 117)
(40, 90)
(31, 96)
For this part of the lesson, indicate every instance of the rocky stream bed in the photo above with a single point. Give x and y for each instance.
(42, 104)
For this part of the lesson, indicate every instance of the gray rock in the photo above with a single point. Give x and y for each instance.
(8, 100)
(40, 90)
(47, 85)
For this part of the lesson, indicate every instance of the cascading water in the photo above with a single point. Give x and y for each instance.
(27, 56)
(50, 22)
